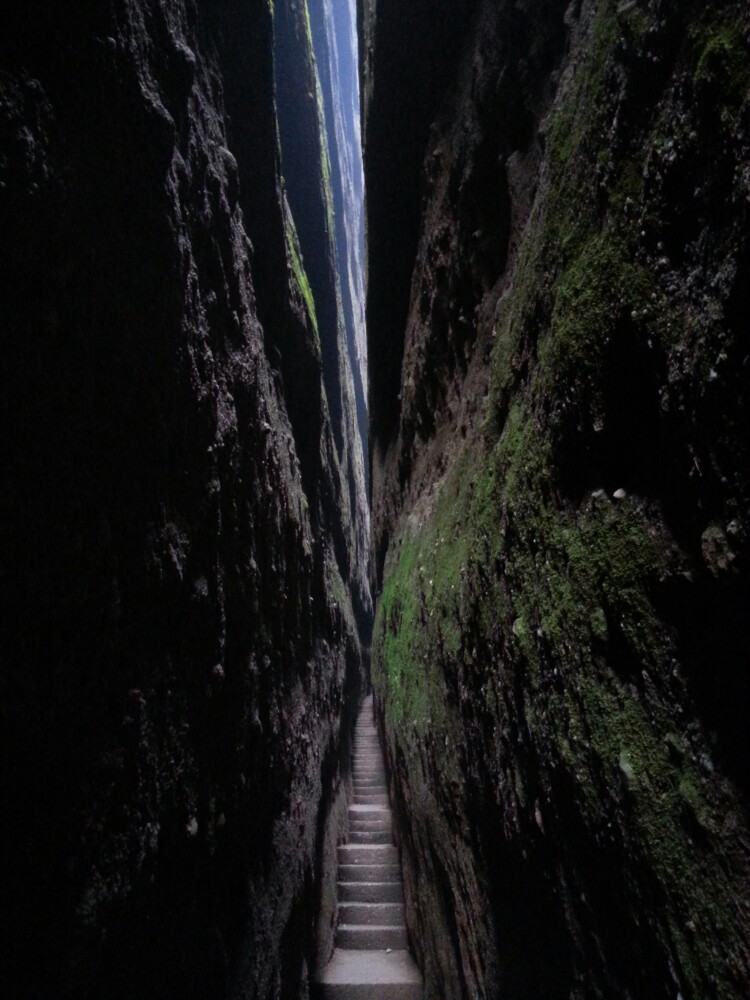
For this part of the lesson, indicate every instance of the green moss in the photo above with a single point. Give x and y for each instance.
(300, 277)
(559, 591)
(339, 592)
(627, 187)
(598, 621)
(416, 627)
(598, 287)
(696, 804)
(325, 165)
(398, 649)
(575, 122)
(722, 58)
(633, 21)
(325, 168)
(308, 29)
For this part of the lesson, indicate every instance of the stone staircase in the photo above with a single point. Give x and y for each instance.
(371, 960)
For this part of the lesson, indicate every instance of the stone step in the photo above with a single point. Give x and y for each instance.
(370, 836)
(371, 937)
(370, 812)
(371, 892)
(369, 873)
(380, 813)
(375, 821)
(363, 854)
(369, 975)
(370, 799)
(372, 914)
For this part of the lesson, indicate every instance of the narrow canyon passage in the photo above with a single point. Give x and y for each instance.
(375, 519)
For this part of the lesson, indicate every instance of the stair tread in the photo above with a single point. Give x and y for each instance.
(372, 927)
(371, 936)
(376, 874)
(393, 882)
(374, 967)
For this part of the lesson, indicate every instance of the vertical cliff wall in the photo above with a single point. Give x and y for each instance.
(309, 99)
(334, 32)
(559, 390)
(183, 557)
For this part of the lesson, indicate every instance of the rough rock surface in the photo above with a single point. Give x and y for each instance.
(561, 498)
(179, 537)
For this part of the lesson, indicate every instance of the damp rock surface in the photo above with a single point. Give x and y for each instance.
(183, 570)
(561, 496)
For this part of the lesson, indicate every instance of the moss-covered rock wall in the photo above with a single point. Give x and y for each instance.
(561, 645)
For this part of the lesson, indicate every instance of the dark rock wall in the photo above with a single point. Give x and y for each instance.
(407, 51)
(180, 658)
(561, 503)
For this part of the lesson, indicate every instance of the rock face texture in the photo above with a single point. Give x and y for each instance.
(561, 503)
(183, 551)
